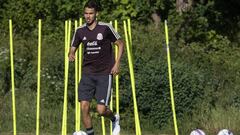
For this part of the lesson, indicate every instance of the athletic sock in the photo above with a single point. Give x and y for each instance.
(113, 119)
(90, 131)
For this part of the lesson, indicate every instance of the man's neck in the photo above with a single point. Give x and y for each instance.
(93, 25)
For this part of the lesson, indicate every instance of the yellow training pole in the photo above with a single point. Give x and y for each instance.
(129, 35)
(12, 79)
(130, 50)
(67, 67)
(103, 126)
(170, 79)
(111, 108)
(80, 55)
(67, 39)
(63, 118)
(102, 118)
(117, 76)
(76, 87)
(137, 123)
(129, 32)
(39, 74)
(79, 75)
(111, 104)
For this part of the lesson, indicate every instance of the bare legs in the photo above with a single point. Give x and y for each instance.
(87, 120)
(102, 110)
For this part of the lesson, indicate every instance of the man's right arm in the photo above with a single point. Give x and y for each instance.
(75, 43)
(71, 54)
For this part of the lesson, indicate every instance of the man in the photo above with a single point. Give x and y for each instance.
(98, 65)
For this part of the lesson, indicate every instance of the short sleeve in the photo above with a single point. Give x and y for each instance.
(112, 34)
(76, 40)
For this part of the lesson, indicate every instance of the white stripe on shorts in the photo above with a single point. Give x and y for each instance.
(109, 89)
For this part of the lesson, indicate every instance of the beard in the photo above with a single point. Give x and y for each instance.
(91, 22)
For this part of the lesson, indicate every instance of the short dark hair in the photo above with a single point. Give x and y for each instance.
(92, 4)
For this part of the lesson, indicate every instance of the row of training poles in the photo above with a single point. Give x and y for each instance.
(78, 66)
(128, 40)
(127, 30)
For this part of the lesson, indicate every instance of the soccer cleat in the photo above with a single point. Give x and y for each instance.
(115, 125)
(79, 133)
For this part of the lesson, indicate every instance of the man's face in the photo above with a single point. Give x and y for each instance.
(90, 15)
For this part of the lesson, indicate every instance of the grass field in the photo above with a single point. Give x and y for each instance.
(71, 134)
(211, 121)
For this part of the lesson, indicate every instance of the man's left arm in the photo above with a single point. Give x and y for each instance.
(120, 44)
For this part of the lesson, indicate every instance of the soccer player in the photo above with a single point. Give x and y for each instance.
(99, 65)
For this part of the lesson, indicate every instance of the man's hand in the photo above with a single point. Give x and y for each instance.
(71, 54)
(115, 69)
(71, 57)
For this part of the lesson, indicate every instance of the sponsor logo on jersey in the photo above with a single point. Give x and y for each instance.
(93, 43)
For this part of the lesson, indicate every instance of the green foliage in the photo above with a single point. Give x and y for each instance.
(5, 70)
(152, 83)
(25, 13)
(205, 64)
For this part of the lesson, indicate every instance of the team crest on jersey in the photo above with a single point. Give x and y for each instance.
(99, 36)
(84, 38)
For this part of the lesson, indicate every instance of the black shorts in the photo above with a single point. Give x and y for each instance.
(95, 86)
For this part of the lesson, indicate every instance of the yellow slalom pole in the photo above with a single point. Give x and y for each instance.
(80, 54)
(79, 75)
(129, 35)
(67, 66)
(137, 123)
(12, 79)
(117, 76)
(170, 80)
(63, 118)
(103, 126)
(111, 104)
(116, 81)
(129, 32)
(111, 108)
(102, 118)
(76, 87)
(67, 36)
(39, 75)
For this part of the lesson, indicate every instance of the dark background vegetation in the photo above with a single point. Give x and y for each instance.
(205, 51)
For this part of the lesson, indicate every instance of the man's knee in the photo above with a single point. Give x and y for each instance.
(85, 106)
(101, 109)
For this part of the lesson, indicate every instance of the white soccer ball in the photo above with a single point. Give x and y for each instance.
(197, 132)
(79, 133)
(225, 132)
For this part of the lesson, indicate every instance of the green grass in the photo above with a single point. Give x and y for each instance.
(211, 121)
(50, 118)
(71, 134)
